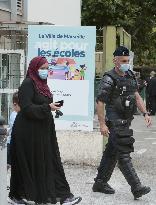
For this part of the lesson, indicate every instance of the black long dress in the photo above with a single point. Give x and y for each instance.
(36, 170)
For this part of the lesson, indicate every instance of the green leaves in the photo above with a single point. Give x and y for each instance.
(136, 16)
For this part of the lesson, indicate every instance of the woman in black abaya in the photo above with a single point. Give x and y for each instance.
(36, 170)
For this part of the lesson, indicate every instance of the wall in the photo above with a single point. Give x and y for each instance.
(8, 11)
(5, 43)
(6, 4)
(5, 15)
(79, 147)
(109, 45)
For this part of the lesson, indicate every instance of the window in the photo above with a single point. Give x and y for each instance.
(4, 71)
(20, 6)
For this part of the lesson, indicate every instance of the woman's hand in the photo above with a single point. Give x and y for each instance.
(54, 106)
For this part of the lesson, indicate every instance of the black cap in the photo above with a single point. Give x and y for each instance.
(121, 51)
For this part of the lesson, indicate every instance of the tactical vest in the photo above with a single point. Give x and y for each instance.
(123, 98)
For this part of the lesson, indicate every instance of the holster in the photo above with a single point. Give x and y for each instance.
(124, 140)
(123, 135)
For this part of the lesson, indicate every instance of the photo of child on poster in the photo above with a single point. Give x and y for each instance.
(66, 69)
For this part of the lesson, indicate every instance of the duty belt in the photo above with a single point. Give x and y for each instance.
(119, 122)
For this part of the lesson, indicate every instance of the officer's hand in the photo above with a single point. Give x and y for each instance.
(104, 129)
(148, 120)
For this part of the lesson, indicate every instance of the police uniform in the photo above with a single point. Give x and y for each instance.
(118, 94)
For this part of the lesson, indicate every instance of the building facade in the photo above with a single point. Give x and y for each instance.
(13, 44)
(13, 10)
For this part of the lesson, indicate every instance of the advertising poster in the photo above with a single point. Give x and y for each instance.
(70, 52)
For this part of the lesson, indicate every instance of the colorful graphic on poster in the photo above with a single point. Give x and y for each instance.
(70, 52)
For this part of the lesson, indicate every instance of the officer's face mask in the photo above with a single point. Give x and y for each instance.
(124, 67)
(43, 73)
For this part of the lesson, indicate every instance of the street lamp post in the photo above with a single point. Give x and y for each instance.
(3, 162)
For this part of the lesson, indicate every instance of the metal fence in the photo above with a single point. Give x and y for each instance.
(13, 52)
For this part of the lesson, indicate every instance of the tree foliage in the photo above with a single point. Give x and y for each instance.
(137, 17)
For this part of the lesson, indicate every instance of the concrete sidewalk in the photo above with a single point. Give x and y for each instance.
(81, 178)
(81, 181)
(144, 159)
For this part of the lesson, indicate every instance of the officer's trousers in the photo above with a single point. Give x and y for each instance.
(118, 149)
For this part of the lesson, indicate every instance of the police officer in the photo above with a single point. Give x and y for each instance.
(118, 91)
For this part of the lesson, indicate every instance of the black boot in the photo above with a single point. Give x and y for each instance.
(105, 171)
(126, 167)
(140, 191)
(100, 186)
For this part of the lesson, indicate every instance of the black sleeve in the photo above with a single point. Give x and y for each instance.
(135, 80)
(28, 108)
(105, 89)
